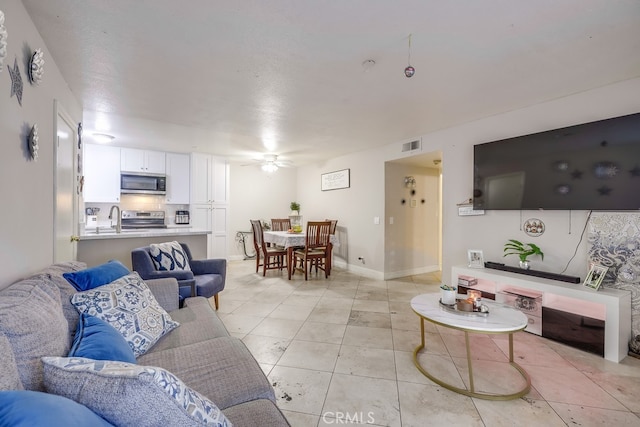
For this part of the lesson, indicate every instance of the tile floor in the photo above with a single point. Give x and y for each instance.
(339, 351)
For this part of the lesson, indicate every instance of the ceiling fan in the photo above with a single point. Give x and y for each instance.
(270, 163)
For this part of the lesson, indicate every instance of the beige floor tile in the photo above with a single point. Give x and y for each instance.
(300, 390)
(368, 337)
(306, 300)
(369, 319)
(371, 293)
(227, 305)
(518, 412)
(532, 353)
(375, 398)
(292, 312)
(281, 328)
(338, 316)
(255, 309)
(310, 355)
(431, 405)
(298, 419)
(409, 322)
(266, 349)
(321, 332)
(340, 292)
(334, 302)
(370, 305)
(481, 346)
(581, 415)
(490, 376)
(625, 389)
(406, 370)
(240, 324)
(568, 385)
(366, 362)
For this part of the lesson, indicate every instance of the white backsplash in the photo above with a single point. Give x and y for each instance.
(136, 202)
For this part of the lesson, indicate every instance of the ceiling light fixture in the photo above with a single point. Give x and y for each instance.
(409, 71)
(103, 138)
(368, 64)
(269, 167)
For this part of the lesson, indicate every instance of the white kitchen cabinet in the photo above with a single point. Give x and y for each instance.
(178, 175)
(142, 161)
(101, 168)
(214, 219)
(209, 179)
(209, 200)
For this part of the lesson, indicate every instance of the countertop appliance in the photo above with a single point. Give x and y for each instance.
(143, 219)
(133, 183)
(182, 217)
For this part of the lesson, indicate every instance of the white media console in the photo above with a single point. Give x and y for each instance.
(613, 306)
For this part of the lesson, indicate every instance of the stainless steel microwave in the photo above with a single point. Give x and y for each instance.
(132, 183)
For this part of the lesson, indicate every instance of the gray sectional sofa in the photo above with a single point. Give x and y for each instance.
(38, 320)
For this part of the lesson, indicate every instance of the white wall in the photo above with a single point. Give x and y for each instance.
(255, 194)
(26, 187)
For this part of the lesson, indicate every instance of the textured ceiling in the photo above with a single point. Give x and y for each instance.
(286, 77)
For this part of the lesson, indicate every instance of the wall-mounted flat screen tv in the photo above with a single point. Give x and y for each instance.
(592, 166)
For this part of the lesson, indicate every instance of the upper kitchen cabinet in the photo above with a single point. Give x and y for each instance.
(209, 179)
(101, 174)
(142, 161)
(178, 176)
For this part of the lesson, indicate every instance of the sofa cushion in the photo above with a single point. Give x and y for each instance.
(9, 377)
(99, 275)
(133, 395)
(31, 319)
(128, 305)
(54, 272)
(168, 256)
(259, 412)
(33, 408)
(96, 339)
(222, 369)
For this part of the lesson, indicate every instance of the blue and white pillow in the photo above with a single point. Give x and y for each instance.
(128, 305)
(133, 395)
(169, 256)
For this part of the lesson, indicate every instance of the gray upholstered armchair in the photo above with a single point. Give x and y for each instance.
(205, 277)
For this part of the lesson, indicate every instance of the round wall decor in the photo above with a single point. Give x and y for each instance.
(533, 227)
(36, 67)
(33, 142)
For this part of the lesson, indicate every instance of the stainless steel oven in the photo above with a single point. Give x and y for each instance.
(527, 301)
(143, 219)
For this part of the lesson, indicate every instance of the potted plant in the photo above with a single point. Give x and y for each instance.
(523, 250)
(295, 208)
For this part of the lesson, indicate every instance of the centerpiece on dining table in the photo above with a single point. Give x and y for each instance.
(295, 218)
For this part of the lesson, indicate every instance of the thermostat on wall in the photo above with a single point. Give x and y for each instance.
(467, 210)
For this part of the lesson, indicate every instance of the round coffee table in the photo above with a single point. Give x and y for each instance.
(500, 320)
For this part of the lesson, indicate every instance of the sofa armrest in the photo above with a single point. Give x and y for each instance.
(165, 291)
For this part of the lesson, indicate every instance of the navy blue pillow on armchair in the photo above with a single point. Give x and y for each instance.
(99, 275)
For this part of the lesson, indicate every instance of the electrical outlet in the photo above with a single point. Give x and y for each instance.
(376, 220)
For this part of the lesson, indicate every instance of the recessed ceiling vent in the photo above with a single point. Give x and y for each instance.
(411, 146)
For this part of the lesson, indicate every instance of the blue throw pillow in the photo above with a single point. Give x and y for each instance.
(98, 340)
(23, 408)
(99, 275)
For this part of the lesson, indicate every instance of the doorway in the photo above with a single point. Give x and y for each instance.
(413, 215)
(64, 195)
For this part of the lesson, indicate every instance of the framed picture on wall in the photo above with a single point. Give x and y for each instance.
(595, 276)
(476, 260)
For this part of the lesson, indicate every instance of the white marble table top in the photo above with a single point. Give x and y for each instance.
(501, 318)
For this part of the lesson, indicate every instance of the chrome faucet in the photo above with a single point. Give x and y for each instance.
(118, 220)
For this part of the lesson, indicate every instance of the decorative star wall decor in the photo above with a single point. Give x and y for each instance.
(604, 190)
(635, 172)
(16, 81)
(576, 174)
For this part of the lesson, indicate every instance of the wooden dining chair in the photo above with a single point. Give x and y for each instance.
(273, 257)
(332, 231)
(283, 224)
(316, 249)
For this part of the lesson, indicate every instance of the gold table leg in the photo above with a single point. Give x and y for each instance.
(471, 391)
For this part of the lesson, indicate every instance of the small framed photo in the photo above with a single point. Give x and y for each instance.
(595, 276)
(476, 260)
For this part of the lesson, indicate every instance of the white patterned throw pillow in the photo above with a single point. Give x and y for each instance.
(127, 394)
(128, 305)
(169, 256)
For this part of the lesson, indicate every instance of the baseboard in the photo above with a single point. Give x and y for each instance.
(411, 272)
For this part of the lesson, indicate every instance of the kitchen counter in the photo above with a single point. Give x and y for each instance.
(110, 233)
(97, 248)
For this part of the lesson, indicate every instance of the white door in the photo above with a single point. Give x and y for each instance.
(64, 195)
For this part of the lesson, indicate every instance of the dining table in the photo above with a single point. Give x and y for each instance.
(291, 240)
